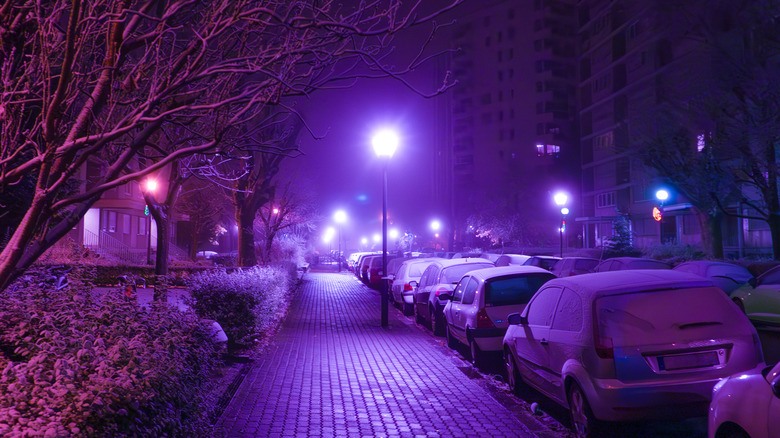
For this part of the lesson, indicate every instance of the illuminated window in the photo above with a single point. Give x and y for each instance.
(540, 149)
(700, 143)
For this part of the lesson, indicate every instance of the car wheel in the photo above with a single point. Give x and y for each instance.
(739, 304)
(476, 354)
(451, 341)
(584, 423)
(408, 309)
(437, 324)
(417, 317)
(513, 374)
(732, 432)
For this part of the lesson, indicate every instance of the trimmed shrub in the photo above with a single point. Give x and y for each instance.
(245, 302)
(76, 364)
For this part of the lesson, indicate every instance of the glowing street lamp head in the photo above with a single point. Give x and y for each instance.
(385, 143)
(560, 199)
(662, 195)
(151, 185)
(340, 216)
(564, 210)
(435, 225)
(275, 210)
(364, 241)
(393, 233)
(377, 237)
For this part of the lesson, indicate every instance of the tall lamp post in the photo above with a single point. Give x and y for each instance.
(560, 199)
(436, 226)
(384, 142)
(151, 187)
(340, 216)
(658, 213)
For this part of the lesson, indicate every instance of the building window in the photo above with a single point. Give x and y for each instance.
(142, 226)
(604, 141)
(126, 224)
(111, 221)
(700, 142)
(605, 200)
(548, 149)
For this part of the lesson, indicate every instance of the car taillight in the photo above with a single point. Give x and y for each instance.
(441, 290)
(603, 344)
(407, 287)
(483, 320)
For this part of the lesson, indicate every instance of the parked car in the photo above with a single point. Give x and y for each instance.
(402, 291)
(512, 259)
(439, 277)
(762, 302)
(746, 405)
(490, 256)
(623, 263)
(727, 276)
(544, 262)
(374, 274)
(476, 311)
(569, 266)
(365, 264)
(629, 345)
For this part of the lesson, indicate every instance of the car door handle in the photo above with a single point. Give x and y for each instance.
(543, 341)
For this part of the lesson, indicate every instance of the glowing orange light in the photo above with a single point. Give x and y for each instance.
(657, 215)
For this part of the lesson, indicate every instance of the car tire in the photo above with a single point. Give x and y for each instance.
(417, 317)
(739, 304)
(437, 324)
(477, 356)
(732, 432)
(408, 309)
(451, 341)
(582, 420)
(512, 372)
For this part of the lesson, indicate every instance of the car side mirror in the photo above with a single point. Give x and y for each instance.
(445, 296)
(516, 318)
(413, 284)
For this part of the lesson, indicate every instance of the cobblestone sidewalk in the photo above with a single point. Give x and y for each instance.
(334, 372)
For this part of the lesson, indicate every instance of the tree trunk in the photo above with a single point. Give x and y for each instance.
(162, 219)
(711, 233)
(774, 230)
(245, 217)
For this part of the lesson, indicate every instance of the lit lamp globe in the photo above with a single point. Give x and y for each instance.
(340, 216)
(564, 211)
(560, 199)
(662, 195)
(435, 225)
(385, 143)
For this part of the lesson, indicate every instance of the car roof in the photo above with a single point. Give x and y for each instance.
(630, 280)
(487, 273)
(709, 263)
(451, 262)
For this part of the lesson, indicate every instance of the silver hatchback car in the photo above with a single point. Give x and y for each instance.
(629, 345)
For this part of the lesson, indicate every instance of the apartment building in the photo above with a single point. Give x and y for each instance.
(510, 120)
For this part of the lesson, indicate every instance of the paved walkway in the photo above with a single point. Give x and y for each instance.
(334, 372)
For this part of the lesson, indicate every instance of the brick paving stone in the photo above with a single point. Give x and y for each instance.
(334, 371)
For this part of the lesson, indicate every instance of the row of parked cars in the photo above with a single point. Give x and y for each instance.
(616, 340)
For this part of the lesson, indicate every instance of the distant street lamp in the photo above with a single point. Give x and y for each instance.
(560, 199)
(340, 216)
(436, 226)
(385, 143)
(151, 187)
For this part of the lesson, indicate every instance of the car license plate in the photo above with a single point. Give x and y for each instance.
(685, 361)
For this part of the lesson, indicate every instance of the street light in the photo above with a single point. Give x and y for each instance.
(384, 142)
(151, 187)
(560, 199)
(658, 213)
(436, 226)
(340, 216)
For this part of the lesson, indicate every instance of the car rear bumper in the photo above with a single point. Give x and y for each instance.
(488, 339)
(613, 400)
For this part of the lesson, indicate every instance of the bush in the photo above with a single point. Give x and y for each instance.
(674, 253)
(245, 302)
(74, 364)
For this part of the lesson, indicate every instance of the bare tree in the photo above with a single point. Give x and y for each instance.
(722, 110)
(205, 208)
(96, 81)
(286, 211)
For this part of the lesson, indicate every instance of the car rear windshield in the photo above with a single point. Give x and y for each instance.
(416, 269)
(511, 290)
(545, 263)
(452, 274)
(585, 264)
(648, 264)
(665, 316)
